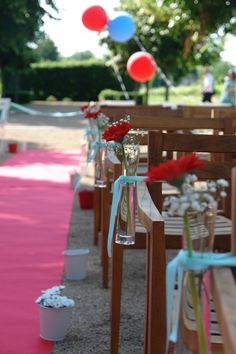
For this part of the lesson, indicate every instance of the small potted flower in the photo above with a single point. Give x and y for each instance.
(55, 313)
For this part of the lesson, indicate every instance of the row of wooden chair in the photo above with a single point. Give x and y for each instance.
(116, 168)
(169, 240)
(149, 122)
(182, 111)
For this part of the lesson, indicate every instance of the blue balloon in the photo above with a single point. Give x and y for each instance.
(121, 28)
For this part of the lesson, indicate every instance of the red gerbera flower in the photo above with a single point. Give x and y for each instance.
(91, 114)
(175, 168)
(117, 132)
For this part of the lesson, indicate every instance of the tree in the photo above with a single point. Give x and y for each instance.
(180, 34)
(46, 50)
(20, 21)
(81, 56)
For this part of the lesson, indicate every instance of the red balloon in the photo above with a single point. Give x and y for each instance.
(95, 18)
(141, 66)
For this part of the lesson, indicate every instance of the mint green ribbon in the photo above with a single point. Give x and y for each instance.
(115, 202)
(175, 270)
(50, 114)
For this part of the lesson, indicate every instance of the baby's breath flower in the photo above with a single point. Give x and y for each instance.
(222, 182)
(196, 198)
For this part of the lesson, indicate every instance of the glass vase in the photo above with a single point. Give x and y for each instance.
(125, 229)
(125, 234)
(194, 327)
(100, 168)
(93, 129)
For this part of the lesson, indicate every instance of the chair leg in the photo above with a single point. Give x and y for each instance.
(116, 285)
(147, 296)
(97, 214)
(157, 291)
(105, 211)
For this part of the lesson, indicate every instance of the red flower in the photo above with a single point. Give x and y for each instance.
(93, 115)
(117, 132)
(175, 168)
(84, 107)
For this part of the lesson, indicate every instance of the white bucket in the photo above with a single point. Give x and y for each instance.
(54, 322)
(22, 146)
(74, 179)
(76, 263)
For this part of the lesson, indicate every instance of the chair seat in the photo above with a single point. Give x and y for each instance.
(189, 319)
(174, 225)
(190, 323)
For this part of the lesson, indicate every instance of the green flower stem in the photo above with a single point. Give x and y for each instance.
(127, 191)
(194, 293)
(198, 314)
(188, 235)
(100, 164)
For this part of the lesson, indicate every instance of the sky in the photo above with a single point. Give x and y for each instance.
(70, 35)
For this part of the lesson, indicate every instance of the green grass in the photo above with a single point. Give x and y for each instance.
(182, 94)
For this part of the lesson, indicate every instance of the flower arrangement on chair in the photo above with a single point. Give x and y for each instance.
(96, 149)
(197, 204)
(126, 146)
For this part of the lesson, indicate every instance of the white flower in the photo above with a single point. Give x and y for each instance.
(222, 182)
(196, 196)
(223, 194)
(52, 298)
(190, 178)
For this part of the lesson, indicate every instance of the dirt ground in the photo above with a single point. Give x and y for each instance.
(90, 326)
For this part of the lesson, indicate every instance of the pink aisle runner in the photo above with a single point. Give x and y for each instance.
(35, 210)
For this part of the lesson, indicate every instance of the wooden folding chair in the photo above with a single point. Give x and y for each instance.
(117, 261)
(224, 292)
(159, 142)
(224, 287)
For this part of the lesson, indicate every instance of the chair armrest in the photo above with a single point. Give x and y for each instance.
(147, 211)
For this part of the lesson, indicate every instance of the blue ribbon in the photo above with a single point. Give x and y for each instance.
(176, 268)
(50, 114)
(90, 132)
(115, 202)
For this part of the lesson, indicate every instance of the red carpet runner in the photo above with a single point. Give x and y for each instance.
(35, 210)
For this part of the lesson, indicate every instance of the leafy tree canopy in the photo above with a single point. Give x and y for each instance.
(20, 20)
(80, 56)
(180, 34)
(45, 50)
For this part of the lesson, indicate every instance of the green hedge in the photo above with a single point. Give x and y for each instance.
(109, 94)
(78, 81)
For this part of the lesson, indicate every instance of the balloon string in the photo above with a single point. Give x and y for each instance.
(162, 74)
(112, 63)
(122, 85)
(137, 40)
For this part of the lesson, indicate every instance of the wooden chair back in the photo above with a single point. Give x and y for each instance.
(223, 144)
(118, 112)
